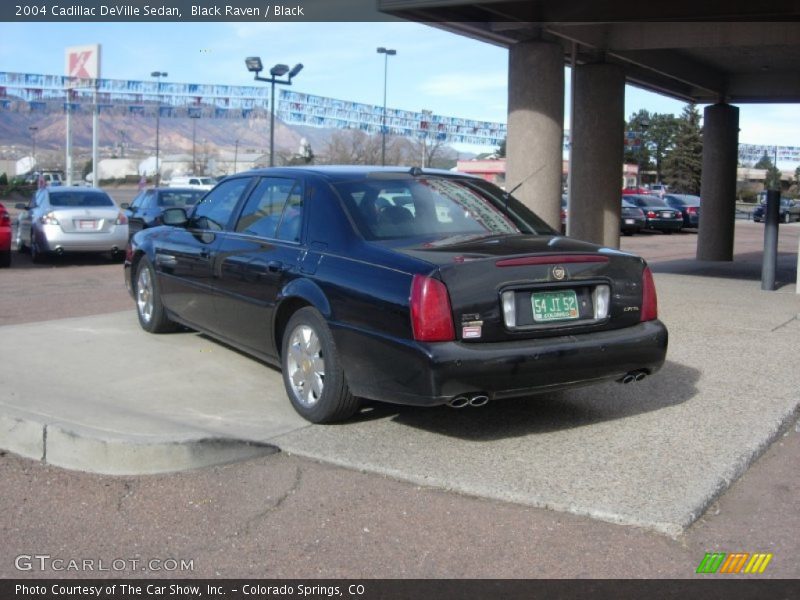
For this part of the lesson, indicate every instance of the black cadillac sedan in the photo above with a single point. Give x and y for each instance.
(659, 215)
(398, 285)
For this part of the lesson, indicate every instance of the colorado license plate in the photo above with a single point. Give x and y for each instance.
(554, 306)
(83, 224)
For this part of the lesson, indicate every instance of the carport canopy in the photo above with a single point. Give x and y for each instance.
(715, 52)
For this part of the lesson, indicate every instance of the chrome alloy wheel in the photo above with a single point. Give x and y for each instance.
(306, 366)
(144, 294)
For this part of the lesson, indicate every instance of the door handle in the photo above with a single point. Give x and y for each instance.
(275, 266)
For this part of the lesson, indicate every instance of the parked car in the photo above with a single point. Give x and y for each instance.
(146, 208)
(659, 216)
(658, 189)
(71, 219)
(458, 297)
(632, 219)
(200, 183)
(688, 205)
(5, 237)
(789, 211)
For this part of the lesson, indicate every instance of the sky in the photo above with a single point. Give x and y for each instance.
(433, 70)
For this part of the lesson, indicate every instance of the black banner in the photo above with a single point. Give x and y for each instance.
(703, 587)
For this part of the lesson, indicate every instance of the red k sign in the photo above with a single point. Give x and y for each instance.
(77, 64)
(83, 62)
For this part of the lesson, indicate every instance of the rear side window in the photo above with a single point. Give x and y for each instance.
(169, 199)
(80, 199)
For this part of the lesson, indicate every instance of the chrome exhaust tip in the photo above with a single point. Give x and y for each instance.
(59, 250)
(479, 400)
(628, 379)
(640, 375)
(458, 402)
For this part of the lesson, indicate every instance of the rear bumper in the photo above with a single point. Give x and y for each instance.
(665, 224)
(407, 372)
(52, 238)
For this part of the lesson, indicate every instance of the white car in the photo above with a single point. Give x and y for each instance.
(71, 219)
(200, 183)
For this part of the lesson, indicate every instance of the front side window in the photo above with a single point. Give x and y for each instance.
(215, 210)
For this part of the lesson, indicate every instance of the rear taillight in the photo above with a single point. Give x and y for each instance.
(679, 214)
(121, 219)
(5, 219)
(651, 214)
(692, 210)
(431, 317)
(649, 310)
(48, 219)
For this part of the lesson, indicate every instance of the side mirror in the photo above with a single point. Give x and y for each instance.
(124, 205)
(175, 217)
(21, 206)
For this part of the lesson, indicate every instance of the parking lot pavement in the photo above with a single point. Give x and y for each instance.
(654, 454)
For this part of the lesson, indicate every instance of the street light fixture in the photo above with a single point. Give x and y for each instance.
(387, 52)
(643, 125)
(158, 75)
(254, 65)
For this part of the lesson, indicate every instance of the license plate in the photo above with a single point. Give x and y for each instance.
(666, 215)
(86, 224)
(554, 306)
(628, 221)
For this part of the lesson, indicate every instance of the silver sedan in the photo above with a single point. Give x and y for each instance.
(71, 219)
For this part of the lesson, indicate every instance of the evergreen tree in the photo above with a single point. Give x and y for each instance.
(764, 162)
(684, 164)
(772, 180)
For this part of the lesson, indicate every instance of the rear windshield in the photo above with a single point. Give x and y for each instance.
(180, 199)
(432, 207)
(80, 199)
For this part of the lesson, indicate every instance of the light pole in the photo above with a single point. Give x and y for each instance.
(194, 116)
(643, 125)
(254, 65)
(158, 75)
(387, 52)
(426, 114)
(33, 129)
(235, 155)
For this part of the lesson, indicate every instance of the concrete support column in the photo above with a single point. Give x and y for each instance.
(597, 138)
(718, 182)
(536, 127)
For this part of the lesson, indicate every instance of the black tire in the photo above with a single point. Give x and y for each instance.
(152, 315)
(5, 258)
(312, 371)
(668, 232)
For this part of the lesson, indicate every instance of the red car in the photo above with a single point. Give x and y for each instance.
(5, 237)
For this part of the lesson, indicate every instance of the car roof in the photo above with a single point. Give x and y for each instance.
(346, 172)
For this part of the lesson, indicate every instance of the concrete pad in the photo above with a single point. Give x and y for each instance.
(653, 454)
(99, 394)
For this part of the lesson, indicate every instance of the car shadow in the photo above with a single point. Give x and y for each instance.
(544, 413)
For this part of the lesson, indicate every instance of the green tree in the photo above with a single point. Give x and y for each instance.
(638, 124)
(3, 179)
(772, 179)
(683, 166)
(660, 139)
(501, 149)
(764, 162)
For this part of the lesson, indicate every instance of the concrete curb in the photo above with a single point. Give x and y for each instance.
(72, 446)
